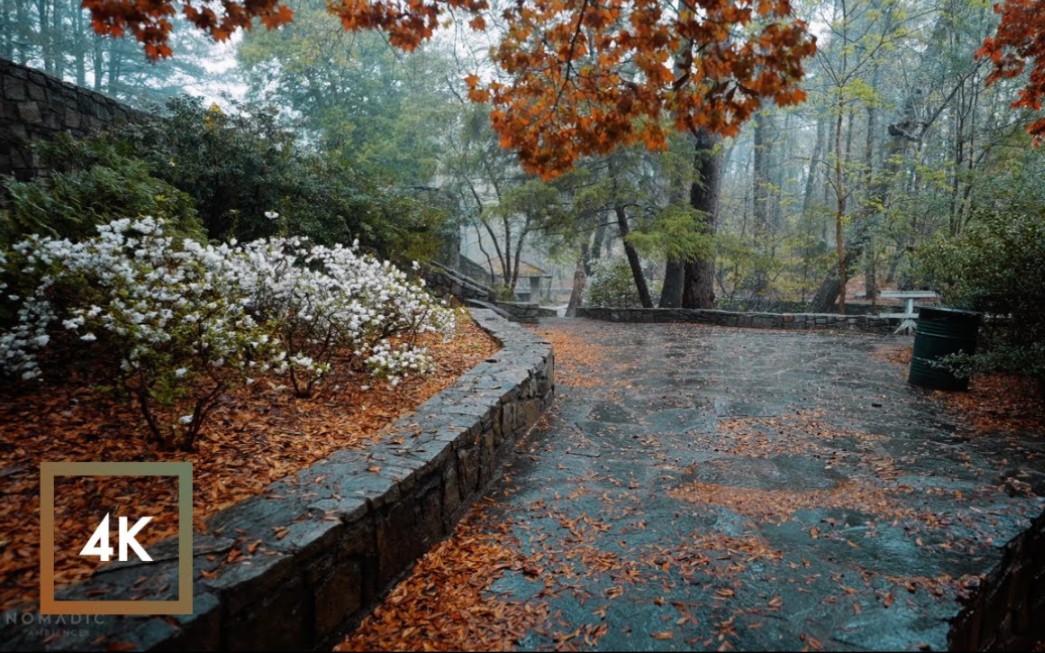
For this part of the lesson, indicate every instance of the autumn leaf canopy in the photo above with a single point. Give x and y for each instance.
(573, 77)
(1020, 41)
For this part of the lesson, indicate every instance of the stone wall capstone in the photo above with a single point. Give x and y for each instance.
(36, 106)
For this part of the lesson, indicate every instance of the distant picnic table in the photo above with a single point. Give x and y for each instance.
(909, 314)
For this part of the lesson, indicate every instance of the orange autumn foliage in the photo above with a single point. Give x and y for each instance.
(580, 77)
(1019, 43)
(589, 75)
(150, 20)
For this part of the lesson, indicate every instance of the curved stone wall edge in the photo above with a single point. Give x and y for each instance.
(328, 540)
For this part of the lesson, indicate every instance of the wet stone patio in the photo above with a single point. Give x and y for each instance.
(700, 487)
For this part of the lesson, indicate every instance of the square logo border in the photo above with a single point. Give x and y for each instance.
(182, 605)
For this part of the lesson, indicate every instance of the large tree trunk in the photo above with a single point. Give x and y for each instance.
(591, 254)
(699, 288)
(830, 288)
(633, 258)
(674, 281)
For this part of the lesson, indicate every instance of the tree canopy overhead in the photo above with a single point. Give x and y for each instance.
(580, 77)
(588, 75)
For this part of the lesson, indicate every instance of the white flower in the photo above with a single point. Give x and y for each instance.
(271, 215)
(88, 337)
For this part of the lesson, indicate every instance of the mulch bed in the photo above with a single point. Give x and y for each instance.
(257, 436)
(994, 402)
(442, 605)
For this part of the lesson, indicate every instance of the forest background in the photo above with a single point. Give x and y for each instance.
(902, 168)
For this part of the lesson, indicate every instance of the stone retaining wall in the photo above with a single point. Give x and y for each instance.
(868, 323)
(335, 535)
(37, 106)
(774, 306)
(1005, 613)
(526, 312)
(447, 282)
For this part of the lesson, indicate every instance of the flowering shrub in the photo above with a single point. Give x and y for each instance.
(170, 327)
(333, 301)
(179, 323)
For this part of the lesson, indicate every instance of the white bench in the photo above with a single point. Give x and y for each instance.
(909, 314)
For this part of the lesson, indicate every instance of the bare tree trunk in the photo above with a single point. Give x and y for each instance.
(506, 270)
(577, 293)
(99, 64)
(523, 232)
(761, 198)
(81, 46)
(840, 198)
(870, 252)
(22, 20)
(814, 161)
(58, 67)
(633, 258)
(595, 253)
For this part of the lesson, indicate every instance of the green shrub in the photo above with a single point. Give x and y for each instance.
(93, 183)
(995, 266)
(612, 285)
(241, 166)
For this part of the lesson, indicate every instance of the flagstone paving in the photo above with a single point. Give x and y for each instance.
(703, 487)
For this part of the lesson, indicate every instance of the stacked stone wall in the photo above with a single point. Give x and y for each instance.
(35, 106)
(799, 321)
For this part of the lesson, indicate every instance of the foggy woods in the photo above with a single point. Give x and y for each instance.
(728, 153)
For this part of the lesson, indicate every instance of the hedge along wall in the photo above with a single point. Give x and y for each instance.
(354, 523)
(869, 323)
(37, 106)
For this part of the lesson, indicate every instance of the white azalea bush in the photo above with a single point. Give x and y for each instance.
(173, 333)
(333, 302)
(178, 323)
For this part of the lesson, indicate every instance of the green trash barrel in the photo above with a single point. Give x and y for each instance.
(941, 332)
